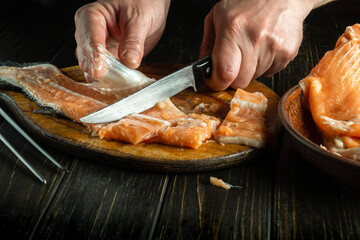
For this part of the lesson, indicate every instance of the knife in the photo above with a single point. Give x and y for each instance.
(190, 76)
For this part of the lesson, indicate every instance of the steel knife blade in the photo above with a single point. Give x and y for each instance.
(190, 76)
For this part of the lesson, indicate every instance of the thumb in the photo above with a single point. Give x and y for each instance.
(132, 40)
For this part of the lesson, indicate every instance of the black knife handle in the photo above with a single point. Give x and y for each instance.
(202, 70)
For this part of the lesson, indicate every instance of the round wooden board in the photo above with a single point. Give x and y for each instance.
(69, 136)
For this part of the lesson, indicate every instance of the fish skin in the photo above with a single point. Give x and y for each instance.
(51, 89)
(164, 123)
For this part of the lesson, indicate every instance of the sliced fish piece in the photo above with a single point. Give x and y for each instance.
(245, 122)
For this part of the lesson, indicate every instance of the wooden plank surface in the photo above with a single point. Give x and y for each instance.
(195, 209)
(309, 204)
(24, 199)
(99, 202)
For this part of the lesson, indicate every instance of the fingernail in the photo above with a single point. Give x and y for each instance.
(132, 56)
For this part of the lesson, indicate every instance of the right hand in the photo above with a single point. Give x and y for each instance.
(250, 38)
(129, 29)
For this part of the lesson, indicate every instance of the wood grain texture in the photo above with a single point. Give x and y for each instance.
(310, 204)
(195, 209)
(98, 202)
(19, 189)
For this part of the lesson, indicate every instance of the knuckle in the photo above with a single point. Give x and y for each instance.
(226, 75)
(133, 42)
(92, 9)
(284, 49)
(82, 11)
(234, 27)
(288, 53)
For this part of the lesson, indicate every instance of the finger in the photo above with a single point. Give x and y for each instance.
(207, 43)
(131, 49)
(88, 77)
(277, 66)
(281, 60)
(248, 66)
(284, 54)
(90, 31)
(226, 59)
(265, 59)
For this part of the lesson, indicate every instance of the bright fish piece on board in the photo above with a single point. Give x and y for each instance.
(245, 122)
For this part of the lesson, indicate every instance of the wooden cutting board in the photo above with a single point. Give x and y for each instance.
(72, 137)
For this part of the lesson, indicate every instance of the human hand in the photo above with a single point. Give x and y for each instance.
(250, 38)
(128, 29)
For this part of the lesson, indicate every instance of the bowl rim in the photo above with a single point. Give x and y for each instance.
(300, 138)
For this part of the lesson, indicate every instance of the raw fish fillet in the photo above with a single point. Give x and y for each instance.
(49, 87)
(164, 123)
(331, 92)
(134, 129)
(245, 122)
(149, 124)
(190, 131)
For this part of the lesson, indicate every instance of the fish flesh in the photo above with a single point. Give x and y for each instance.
(220, 183)
(164, 123)
(134, 129)
(46, 85)
(245, 122)
(331, 93)
(141, 127)
(190, 131)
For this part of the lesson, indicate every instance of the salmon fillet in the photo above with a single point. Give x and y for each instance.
(191, 131)
(49, 87)
(331, 92)
(134, 129)
(150, 124)
(245, 122)
(164, 123)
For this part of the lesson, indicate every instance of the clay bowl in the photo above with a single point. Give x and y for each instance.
(306, 139)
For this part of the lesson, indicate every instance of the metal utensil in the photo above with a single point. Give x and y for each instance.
(28, 165)
(190, 76)
(32, 142)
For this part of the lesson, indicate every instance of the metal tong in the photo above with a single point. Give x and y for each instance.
(30, 140)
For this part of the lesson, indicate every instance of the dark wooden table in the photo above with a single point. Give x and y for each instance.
(284, 197)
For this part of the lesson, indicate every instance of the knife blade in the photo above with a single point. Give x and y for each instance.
(190, 76)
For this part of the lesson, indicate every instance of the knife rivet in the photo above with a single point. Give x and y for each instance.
(207, 70)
